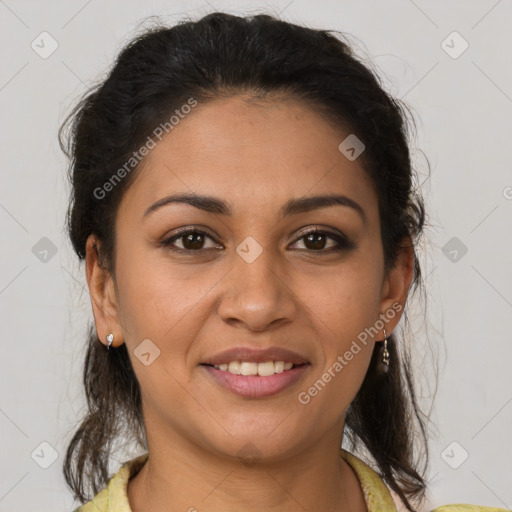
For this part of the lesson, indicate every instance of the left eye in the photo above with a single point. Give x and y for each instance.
(317, 240)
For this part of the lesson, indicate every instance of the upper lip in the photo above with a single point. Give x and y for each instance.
(255, 356)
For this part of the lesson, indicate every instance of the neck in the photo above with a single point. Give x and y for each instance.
(182, 476)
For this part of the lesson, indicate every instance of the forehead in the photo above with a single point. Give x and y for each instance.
(251, 153)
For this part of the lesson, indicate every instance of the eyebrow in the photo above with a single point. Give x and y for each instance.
(292, 207)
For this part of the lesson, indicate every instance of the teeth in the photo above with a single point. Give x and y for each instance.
(248, 368)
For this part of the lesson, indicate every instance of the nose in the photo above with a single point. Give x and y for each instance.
(259, 295)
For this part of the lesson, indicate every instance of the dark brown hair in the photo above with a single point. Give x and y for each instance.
(222, 55)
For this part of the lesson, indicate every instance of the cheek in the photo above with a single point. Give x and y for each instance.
(167, 303)
(343, 308)
(160, 304)
(339, 317)
(346, 300)
(153, 293)
(145, 301)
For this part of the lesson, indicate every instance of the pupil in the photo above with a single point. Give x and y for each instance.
(190, 238)
(314, 236)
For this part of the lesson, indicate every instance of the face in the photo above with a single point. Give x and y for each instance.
(252, 277)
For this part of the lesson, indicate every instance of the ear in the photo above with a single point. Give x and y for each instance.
(396, 285)
(102, 293)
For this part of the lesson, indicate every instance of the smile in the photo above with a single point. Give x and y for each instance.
(256, 380)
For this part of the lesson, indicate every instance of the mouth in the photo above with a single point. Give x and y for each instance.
(256, 380)
(263, 369)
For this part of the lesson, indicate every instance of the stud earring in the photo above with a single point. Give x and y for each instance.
(385, 353)
(110, 339)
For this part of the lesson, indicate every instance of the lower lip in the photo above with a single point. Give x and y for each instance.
(254, 386)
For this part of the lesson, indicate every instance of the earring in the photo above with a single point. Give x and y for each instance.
(385, 353)
(110, 339)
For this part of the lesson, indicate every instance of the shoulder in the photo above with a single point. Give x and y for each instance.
(98, 504)
(463, 507)
(379, 498)
(375, 492)
(114, 496)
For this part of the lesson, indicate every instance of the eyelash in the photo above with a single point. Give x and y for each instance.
(343, 243)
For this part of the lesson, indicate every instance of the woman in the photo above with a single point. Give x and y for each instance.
(243, 201)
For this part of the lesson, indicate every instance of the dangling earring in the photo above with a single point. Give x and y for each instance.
(385, 353)
(110, 339)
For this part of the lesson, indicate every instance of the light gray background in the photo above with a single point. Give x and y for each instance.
(464, 110)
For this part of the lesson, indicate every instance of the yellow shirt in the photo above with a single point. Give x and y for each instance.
(114, 497)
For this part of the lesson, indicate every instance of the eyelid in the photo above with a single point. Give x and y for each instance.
(318, 229)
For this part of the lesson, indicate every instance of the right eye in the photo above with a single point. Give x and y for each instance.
(192, 240)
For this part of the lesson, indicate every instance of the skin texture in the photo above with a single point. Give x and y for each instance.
(297, 295)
